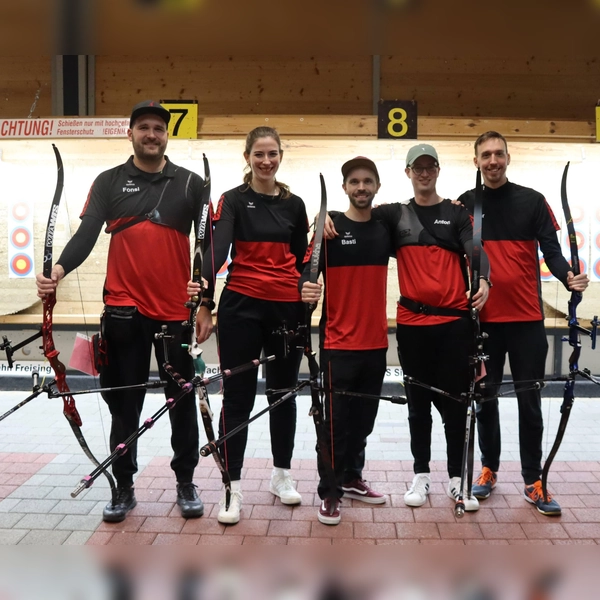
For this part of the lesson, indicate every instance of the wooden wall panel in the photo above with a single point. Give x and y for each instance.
(20, 78)
(237, 85)
(478, 86)
(526, 88)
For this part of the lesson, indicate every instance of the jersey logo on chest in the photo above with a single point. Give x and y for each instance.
(130, 186)
(348, 239)
(441, 222)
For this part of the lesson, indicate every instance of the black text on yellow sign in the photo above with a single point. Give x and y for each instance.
(397, 119)
(184, 118)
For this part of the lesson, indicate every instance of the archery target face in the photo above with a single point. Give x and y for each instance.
(21, 265)
(20, 239)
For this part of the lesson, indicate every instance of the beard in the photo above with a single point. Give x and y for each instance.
(361, 202)
(152, 152)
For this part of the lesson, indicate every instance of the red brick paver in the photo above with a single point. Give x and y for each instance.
(504, 518)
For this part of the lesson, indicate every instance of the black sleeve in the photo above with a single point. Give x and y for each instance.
(388, 214)
(467, 199)
(298, 243)
(81, 244)
(549, 245)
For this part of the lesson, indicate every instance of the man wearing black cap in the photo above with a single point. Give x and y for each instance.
(149, 205)
(353, 341)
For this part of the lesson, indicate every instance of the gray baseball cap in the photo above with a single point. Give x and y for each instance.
(421, 150)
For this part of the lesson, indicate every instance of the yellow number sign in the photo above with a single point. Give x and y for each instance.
(397, 119)
(184, 118)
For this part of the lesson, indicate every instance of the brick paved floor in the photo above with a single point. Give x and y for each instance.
(40, 464)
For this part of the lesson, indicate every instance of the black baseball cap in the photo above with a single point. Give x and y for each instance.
(358, 162)
(149, 106)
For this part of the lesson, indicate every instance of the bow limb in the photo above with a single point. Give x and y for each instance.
(49, 349)
(203, 222)
(316, 409)
(193, 347)
(476, 359)
(574, 338)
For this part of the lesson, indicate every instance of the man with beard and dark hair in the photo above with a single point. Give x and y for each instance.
(353, 341)
(517, 220)
(149, 205)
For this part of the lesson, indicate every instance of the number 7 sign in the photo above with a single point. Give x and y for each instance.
(184, 118)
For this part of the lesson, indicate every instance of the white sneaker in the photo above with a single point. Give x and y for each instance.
(471, 503)
(284, 487)
(231, 516)
(419, 490)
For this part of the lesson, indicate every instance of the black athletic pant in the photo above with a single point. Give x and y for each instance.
(129, 338)
(348, 420)
(527, 347)
(438, 356)
(245, 328)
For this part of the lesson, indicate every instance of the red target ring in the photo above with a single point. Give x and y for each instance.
(20, 237)
(21, 265)
(545, 274)
(20, 211)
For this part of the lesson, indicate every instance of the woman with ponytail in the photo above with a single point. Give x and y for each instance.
(266, 227)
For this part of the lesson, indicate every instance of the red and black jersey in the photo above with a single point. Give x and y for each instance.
(148, 263)
(515, 220)
(267, 236)
(431, 243)
(354, 267)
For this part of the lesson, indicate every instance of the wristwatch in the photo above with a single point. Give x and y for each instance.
(209, 303)
(486, 280)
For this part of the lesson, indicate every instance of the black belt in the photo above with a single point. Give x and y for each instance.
(425, 309)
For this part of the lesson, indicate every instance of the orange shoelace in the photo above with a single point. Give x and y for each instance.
(537, 491)
(486, 476)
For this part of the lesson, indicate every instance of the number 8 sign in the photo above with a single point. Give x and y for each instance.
(397, 119)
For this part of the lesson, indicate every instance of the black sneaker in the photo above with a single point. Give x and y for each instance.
(125, 501)
(189, 502)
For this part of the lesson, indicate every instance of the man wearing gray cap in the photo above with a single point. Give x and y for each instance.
(431, 237)
(149, 205)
